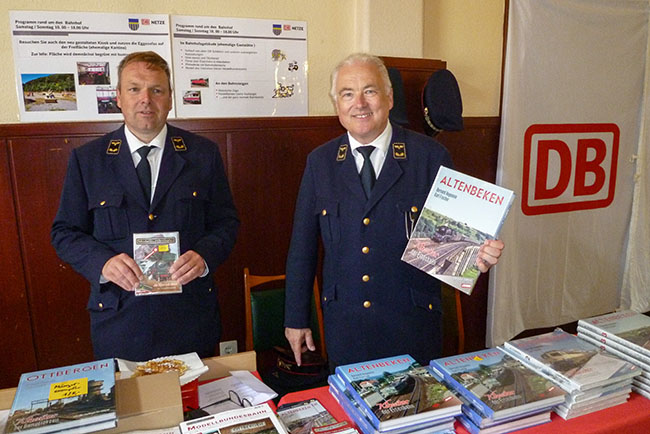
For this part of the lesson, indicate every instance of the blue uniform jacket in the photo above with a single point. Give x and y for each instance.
(102, 205)
(374, 304)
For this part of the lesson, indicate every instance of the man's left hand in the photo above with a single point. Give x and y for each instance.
(489, 254)
(187, 267)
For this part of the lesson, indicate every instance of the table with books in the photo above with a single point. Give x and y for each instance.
(595, 382)
(631, 417)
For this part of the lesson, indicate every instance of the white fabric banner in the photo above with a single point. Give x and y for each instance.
(572, 126)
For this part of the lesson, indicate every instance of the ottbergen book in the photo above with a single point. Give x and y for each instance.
(459, 214)
(77, 398)
(499, 386)
(627, 327)
(396, 391)
(155, 253)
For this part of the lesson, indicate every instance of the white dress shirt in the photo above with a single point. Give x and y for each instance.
(378, 156)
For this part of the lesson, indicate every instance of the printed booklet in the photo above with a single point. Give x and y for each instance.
(459, 214)
(77, 398)
(155, 253)
(397, 391)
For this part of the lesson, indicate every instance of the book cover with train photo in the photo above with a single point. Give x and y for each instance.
(78, 398)
(459, 214)
(397, 392)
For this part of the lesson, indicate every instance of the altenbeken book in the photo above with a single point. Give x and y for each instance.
(498, 385)
(395, 392)
(459, 214)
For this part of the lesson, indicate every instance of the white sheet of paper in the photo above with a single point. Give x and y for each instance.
(214, 397)
(261, 392)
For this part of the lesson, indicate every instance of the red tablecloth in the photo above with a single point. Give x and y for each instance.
(630, 418)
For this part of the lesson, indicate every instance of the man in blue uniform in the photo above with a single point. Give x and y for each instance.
(104, 202)
(359, 193)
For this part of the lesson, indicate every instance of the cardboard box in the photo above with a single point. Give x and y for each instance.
(154, 401)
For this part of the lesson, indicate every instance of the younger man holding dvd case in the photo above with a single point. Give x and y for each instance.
(104, 202)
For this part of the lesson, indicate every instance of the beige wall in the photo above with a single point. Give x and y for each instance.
(467, 34)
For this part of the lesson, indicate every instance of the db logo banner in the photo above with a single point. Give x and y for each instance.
(569, 167)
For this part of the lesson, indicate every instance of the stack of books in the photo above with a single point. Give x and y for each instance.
(394, 395)
(499, 393)
(75, 399)
(625, 334)
(593, 378)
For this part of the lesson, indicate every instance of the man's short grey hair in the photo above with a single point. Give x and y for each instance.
(361, 58)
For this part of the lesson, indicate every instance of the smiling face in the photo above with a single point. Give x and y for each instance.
(363, 100)
(145, 99)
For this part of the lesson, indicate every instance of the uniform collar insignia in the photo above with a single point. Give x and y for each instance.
(399, 151)
(179, 144)
(114, 147)
(342, 153)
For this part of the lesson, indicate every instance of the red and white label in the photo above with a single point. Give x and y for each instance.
(569, 167)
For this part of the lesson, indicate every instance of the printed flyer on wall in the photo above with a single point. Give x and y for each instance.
(66, 62)
(227, 67)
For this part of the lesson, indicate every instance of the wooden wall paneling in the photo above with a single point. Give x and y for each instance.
(267, 166)
(57, 294)
(475, 150)
(18, 352)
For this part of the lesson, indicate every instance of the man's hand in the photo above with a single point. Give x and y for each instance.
(123, 271)
(300, 340)
(489, 254)
(187, 267)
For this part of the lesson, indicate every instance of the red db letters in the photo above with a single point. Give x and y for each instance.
(569, 167)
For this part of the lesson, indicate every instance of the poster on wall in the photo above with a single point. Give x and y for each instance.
(227, 67)
(66, 62)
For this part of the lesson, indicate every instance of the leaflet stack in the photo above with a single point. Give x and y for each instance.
(625, 334)
(499, 393)
(394, 395)
(593, 378)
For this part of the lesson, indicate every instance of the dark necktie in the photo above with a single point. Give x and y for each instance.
(143, 169)
(367, 172)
